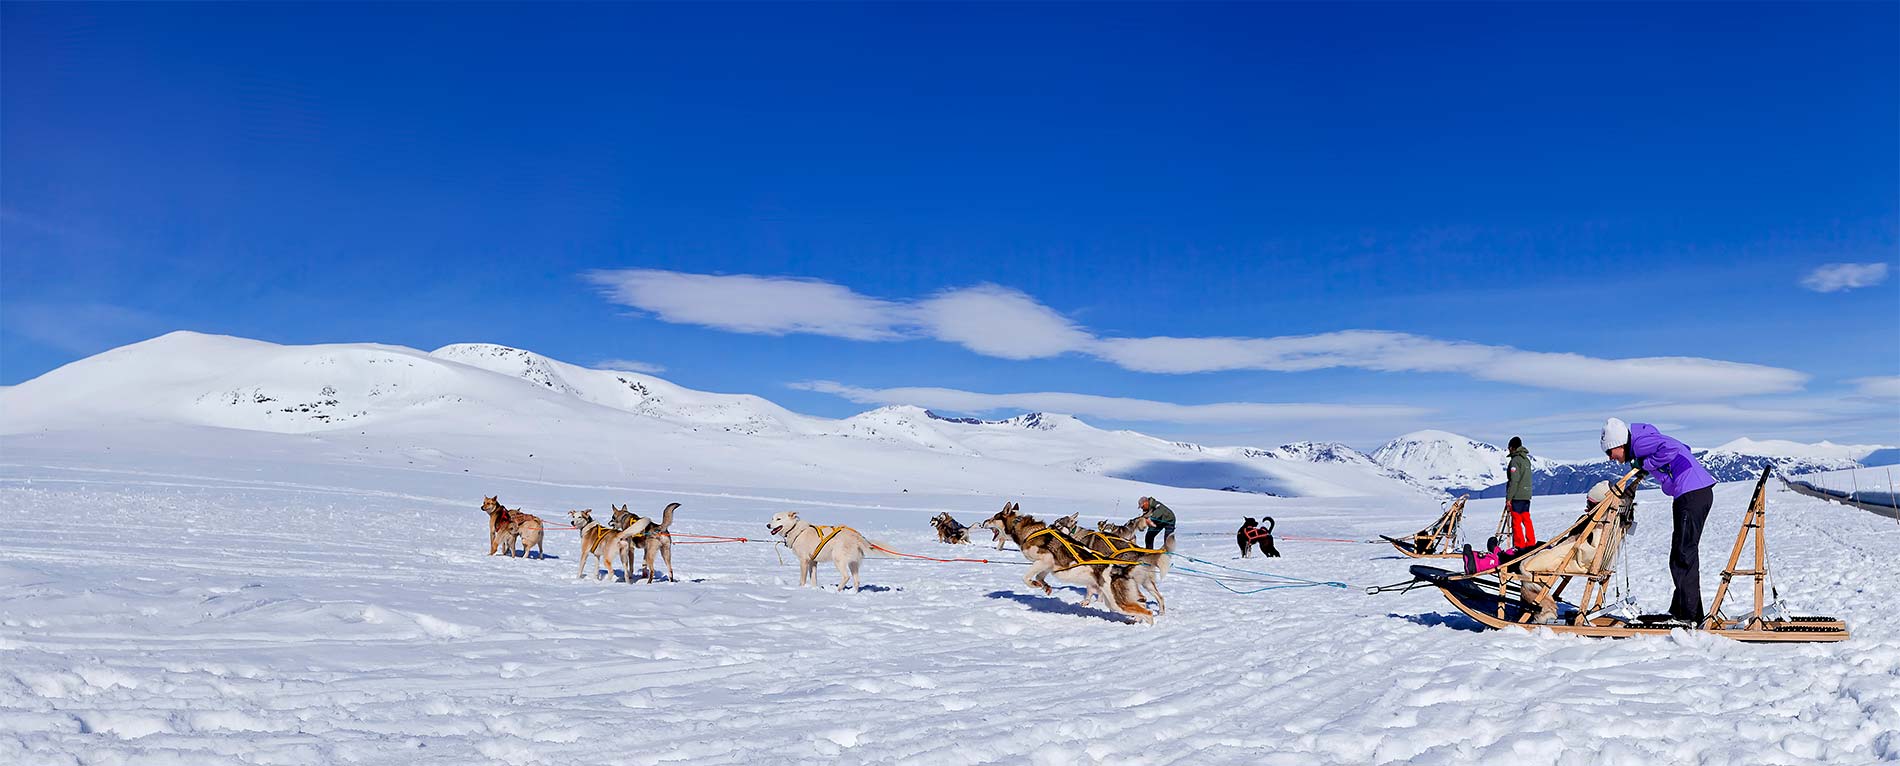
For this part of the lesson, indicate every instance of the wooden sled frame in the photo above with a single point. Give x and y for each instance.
(1438, 541)
(1510, 597)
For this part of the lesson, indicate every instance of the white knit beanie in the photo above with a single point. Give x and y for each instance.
(1616, 433)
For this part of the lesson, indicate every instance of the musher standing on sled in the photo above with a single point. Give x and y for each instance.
(1683, 479)
(1517, 495)
(1160, 518)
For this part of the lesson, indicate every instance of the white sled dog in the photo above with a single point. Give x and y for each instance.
(809, 542)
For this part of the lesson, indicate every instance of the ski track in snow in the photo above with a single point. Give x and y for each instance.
(333, 616)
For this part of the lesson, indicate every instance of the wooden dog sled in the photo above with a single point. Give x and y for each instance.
(1526, 590)
(1438, 541)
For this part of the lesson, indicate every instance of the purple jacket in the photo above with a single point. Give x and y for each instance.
(1668, 460)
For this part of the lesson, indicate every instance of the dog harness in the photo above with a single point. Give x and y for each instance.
(1257, 533)
(1118, 546)
(1071, 545)
(824, 536)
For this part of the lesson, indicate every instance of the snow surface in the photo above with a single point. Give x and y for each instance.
(1876, 479)
(222, 551)
(209, 596)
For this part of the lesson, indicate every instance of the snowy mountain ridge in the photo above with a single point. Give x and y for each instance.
(1444, 459)
(486, 397)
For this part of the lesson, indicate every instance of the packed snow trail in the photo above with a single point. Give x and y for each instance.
(316, 614)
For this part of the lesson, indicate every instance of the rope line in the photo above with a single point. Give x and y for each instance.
(945, 561)
(1269, 576)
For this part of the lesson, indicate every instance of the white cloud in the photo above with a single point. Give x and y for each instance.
(630, 365)
(1001, 322)
(1403, 352)
(752, 304)
(1882, 386)
(1110, 407)
(1835, 277)
(996, 321)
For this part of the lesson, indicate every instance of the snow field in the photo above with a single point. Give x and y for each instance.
(154, 612)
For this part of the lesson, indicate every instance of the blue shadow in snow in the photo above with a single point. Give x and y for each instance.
(1202, 474)
(1053, 605)
(1452, 620)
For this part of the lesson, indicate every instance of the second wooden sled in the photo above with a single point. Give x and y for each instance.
(1530, 586)
(1438, 541)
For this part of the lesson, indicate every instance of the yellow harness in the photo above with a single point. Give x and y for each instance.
(1071, 545)
(824, 536)
(1116, 547)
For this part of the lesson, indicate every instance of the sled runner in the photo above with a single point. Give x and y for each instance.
(1525, 591)
(1438, 541)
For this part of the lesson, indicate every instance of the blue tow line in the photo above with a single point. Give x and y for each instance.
(1289, 581)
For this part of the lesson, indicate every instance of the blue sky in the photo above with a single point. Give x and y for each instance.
(1492, 219)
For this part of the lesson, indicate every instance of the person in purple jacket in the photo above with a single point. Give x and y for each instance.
(1682, 478)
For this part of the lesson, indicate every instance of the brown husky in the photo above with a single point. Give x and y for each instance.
(1129, 530)
(1153, 562)
(949, 530)
(640, 532)
(1050, 552)
(510, 524)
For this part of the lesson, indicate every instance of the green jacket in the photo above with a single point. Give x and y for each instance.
(1160, 514)
(1518, 486)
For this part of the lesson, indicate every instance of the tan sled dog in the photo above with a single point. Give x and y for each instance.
(639, 532)
(1050, 552)
(597, 541)
(510, 525)
(809, 542)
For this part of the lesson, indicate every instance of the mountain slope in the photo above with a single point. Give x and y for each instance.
(1443, 459)
(467, 403)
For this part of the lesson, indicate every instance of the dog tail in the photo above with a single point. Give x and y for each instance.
(666, 518)
(1269, 524)
(875, 549)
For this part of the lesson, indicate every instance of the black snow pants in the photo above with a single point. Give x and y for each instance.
(1691, 509)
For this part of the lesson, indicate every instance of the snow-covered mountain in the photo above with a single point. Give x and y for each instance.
(1576, 478)
(1824, 450)
(1446, 460)
(465, 403)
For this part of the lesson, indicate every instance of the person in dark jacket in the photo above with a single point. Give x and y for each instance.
(1517, 495)
(1682, 478)
(1160, 519)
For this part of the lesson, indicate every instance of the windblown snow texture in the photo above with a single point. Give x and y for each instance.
(228, 552)
(226, 597)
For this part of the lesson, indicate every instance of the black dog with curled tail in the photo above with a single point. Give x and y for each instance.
(1252, 534)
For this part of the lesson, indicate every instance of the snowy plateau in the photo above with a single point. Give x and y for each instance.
(225, 551)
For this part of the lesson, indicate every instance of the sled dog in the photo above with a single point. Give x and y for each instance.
(1052, 553)
(507, 525)
(1251, 534)
(809, 542)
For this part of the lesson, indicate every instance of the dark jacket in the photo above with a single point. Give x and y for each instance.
(1518, 485)
(1160, 514)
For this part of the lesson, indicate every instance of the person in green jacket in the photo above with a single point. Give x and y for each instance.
(1517, 495)
(1160, 518)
